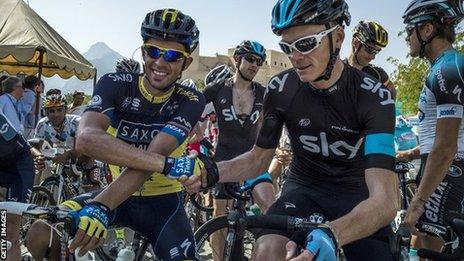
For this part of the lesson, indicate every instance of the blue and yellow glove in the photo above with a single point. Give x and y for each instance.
(93, 218)
(177, 168)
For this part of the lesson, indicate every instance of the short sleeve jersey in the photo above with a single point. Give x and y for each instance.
(441, 97)
(137, 117)
(237, 133)
(63, 137)
(335, 134)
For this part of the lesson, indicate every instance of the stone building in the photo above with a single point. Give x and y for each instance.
(275, 62)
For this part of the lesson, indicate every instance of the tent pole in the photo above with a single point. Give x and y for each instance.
(95, 79)
(41, 50)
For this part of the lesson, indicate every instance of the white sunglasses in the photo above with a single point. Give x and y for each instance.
(305, 44)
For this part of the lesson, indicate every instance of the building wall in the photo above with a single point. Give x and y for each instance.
(275, 63)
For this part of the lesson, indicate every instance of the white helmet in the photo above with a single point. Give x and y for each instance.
(189, 83)
(218, 73)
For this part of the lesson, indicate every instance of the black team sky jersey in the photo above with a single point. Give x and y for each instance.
(137, 117)
(237, 133)
(336, 133)
(377, 72)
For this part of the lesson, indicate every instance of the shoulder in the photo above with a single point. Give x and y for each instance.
(211, 90)
(117, 80)
(447, 72)
(368, 88)
(42, 122)
(189, 94)
(73, 117)
(259, 89)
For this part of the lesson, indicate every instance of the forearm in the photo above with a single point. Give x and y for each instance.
(373, 213)
(122, 188)
(414, 153)
(364, 220)
(243, 167)
(438, 162)
(127, 155)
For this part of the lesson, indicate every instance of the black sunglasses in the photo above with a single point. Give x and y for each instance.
(251, 59)
(371, 50)
(169, 55)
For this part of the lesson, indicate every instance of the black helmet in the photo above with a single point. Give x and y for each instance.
(218, 73)
(288, 13)
(370, 32)
(171, 24)
(252, 47)
(444, 11)
(128, 66)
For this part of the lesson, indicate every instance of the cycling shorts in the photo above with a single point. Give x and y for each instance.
(449, 195)
(321, 203)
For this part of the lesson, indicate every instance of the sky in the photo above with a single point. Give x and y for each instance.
(222, 23)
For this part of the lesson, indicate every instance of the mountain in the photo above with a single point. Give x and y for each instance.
(101, 56)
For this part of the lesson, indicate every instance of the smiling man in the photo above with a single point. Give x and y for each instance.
(134, 122)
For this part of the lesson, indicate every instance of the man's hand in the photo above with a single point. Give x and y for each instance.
(284, 156)
(415, 210)
(320, 244)
(403, 156)
(92, 221)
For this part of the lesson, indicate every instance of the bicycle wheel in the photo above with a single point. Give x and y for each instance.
(41, 196)
(237, 249)
(52, 183)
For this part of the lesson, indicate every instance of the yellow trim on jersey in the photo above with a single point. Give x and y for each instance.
(157, 184)
(150, 97)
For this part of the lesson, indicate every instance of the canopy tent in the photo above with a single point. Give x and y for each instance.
(25, 37)
(31, 46)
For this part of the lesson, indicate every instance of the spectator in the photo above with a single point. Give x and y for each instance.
(12, 90)
(27, 104)
(77, 108)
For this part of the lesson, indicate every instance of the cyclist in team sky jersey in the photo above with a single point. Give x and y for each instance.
(135, 122)
(340, 122)
(430, 27)
(369, 38)
(238, 103)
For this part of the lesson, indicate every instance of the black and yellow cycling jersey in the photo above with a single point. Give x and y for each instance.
(137, 117)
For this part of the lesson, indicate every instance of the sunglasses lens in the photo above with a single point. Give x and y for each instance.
(172, 55)
(285, 48)
(153, 52)
(306, 45)
(252, 59)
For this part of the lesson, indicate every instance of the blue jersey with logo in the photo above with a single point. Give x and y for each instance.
(137, 117)
(441, 97)
(335, 133)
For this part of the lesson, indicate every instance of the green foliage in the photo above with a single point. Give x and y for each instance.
(200, 84)
(409, 77)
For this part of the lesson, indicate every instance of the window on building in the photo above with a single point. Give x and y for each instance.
(275, 62)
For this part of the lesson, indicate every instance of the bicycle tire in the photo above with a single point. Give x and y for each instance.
(41, 190)
(52, 183)
(214, 225)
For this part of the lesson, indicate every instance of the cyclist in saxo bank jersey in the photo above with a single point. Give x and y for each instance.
(148, 118)
(343, 149)
(430, 27)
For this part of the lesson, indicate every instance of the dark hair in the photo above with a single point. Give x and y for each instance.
(9, 83)
(53, 91)
(31, 81)
(446, 32)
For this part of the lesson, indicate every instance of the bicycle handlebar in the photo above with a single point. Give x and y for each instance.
(456, 221)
